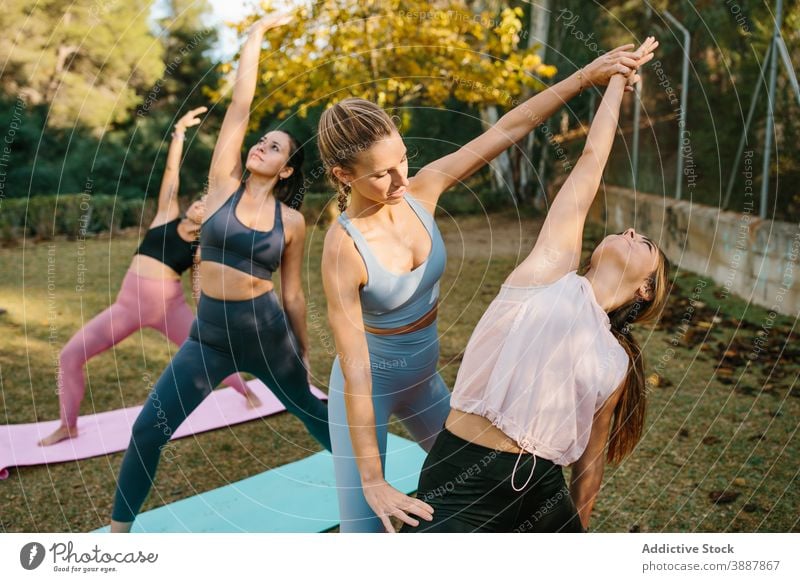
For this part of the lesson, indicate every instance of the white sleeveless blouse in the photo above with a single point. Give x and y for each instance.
(540, 363)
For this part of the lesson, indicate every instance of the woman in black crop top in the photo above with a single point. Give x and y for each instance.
(151, 294)
(252, 229)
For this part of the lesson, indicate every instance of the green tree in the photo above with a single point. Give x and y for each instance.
(728, 44)
(88, 61)
(400, 54)
(188, 72)
(396, 53)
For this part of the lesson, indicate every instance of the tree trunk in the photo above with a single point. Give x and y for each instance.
(63, 54)
(501, 166)
(502, 173)
(539, 33)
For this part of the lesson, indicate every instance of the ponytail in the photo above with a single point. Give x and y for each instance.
(629, 413)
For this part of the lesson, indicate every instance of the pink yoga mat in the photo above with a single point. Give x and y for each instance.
(110, 432)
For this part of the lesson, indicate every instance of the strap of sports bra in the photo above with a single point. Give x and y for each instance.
(514, 472)
(424, 216)
(234, 198)
(359, 241)
(278, 214)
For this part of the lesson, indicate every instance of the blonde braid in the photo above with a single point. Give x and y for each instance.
(344, 193)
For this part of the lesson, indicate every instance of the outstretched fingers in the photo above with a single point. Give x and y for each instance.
(635, 59)
(642, 54)
(645, 59)
(647, 47)
(192, 118)
(624, 47)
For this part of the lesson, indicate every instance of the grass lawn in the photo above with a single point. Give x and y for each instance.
(720, 452)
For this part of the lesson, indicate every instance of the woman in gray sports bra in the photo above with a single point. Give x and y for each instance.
(381, 267)
(252, 229)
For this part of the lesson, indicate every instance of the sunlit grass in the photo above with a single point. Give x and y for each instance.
(664, 486)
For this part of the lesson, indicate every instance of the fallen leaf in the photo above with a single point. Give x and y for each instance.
(725, 496)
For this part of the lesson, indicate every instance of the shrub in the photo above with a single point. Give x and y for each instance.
(44, 217)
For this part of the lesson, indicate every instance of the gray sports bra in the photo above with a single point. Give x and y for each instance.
(225, 239)
(389, 300)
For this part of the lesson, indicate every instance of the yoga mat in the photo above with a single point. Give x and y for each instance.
(296, 498)
(110, 432)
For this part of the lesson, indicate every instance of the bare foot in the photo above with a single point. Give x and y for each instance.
(62, 433)
(253, 400)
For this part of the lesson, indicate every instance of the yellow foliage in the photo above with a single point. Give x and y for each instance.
(546, 71)
(395, 53)
(531, 62)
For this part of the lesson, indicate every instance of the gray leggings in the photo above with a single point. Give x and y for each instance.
(405, 383)
(251, 336)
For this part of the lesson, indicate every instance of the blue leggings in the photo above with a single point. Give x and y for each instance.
(251, 336)
(405, 383)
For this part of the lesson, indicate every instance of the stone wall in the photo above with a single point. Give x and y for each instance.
(755, 259)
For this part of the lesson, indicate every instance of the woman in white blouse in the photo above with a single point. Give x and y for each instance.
(550, 370)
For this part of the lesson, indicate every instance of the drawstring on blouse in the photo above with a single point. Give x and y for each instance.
(514, 472)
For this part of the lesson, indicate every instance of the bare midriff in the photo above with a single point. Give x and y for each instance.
(151, 268)
(479, 430)
(228, 284)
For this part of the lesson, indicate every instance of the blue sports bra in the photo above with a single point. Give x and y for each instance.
(224, 239)
(389, 300)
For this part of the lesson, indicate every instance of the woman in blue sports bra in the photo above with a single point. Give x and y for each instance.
(381, 267)
(251, 229)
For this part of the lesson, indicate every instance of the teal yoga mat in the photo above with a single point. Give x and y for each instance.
(296, 498)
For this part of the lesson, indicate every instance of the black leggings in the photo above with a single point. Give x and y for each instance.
(469, 488)
(250, 336)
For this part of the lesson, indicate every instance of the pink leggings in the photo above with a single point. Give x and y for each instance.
(141, 302)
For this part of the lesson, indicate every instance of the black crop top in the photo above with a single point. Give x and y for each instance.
(224, 239)
(163, 243)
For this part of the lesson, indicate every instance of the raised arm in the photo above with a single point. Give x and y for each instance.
(168, 208)
(226, 163)
(558, 246)
(438, 176)
(343, 272)
(293, 298)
